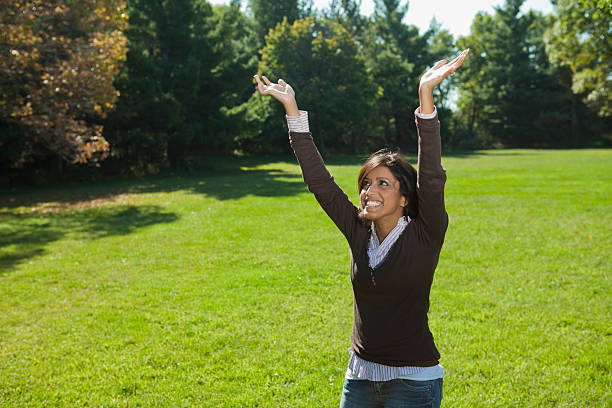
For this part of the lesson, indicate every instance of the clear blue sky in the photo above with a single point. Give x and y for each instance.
(454, 15)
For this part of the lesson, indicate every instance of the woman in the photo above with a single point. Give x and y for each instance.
(395, 238)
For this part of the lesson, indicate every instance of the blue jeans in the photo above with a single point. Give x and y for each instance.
(391, 394)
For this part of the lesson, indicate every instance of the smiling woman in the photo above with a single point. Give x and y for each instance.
(386, 171)
(395, 238)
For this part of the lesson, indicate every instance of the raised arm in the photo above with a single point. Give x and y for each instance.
(431, 176)
(320, 182)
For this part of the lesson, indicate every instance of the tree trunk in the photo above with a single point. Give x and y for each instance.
(575, 142)
(472, 121)
(60, 167)
(354, 140)
(163, 32)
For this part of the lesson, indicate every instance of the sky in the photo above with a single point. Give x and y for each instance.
(454, 15)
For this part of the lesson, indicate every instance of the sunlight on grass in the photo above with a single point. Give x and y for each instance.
(232, 288)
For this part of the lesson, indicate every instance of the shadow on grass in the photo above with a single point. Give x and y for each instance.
(224, 179)
(32, 218)
(24, 236)
(261, 183)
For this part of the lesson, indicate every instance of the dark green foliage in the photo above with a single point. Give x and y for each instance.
(500, 98)
(187, 62)
(347, 13)
(268, 13)
(510, 94)
(322, 62)
(12, 147)
(580, 38)
(397, 55)
(186, 88)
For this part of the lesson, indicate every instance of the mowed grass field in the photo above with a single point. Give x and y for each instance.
(231, 288)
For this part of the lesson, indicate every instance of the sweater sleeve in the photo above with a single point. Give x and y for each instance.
(321, 183)
(431, 178)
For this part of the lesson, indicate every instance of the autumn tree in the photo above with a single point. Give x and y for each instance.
(59, 61)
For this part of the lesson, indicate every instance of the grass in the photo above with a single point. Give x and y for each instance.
(231, 289)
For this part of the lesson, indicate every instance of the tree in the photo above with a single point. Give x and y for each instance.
(501, 96)
(188, 62)
(512, 76)
(268, 13)
(397, 56)
(476, 86)
(57, 71)
(442, 44)
(510, 93)
(581, 39)
(322, 63)
(557, 122)
(347, 14)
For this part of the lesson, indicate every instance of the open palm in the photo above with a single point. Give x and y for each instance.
(281, 91)
(441, 70)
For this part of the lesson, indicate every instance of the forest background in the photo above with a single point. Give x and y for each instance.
(108, 87)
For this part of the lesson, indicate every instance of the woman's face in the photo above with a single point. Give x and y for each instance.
(380, 196)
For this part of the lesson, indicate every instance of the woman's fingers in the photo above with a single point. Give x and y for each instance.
(459, 58)
(260, 85)
(439, 64)
(268, 88)
(452, 66)
(463, 56)
(441, 70)
(454, 60)
(456, 65)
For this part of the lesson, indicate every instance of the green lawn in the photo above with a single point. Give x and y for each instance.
(231, 288)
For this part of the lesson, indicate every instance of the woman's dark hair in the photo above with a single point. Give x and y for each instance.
(401, 170)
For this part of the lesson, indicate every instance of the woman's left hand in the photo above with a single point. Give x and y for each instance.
(441, 70)
(433, 77)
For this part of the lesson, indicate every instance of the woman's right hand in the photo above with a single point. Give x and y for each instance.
(281, 91)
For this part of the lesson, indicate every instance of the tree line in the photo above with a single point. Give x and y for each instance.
(141, 86)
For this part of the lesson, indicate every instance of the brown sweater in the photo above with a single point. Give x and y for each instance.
(390, 319)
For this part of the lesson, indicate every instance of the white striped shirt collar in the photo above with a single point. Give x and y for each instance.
(377, 252)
